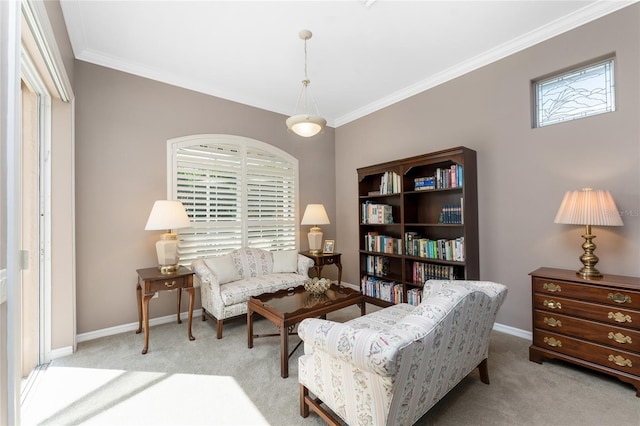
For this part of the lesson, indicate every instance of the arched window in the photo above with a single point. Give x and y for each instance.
(237, 191)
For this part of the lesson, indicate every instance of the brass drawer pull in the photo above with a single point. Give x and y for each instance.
(552, 322)
(551, 287)
(169, 284)
(621, 361)
(619, 317)
(553, 342)
(552, 304)
(619, 298)
(619, 337)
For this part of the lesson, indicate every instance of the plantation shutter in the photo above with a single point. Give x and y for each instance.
(271, 201)
(237, 192)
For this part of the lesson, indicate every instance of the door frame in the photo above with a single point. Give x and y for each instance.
(34, 80)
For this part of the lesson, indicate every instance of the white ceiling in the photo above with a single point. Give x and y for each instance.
(361, 58)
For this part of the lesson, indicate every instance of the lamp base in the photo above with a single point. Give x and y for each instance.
(588, 258)
(315, 240)
(167, 251)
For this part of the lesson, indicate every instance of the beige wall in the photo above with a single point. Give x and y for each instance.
(123, 124)
(522, 172)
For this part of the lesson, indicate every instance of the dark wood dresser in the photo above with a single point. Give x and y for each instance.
(593, 323)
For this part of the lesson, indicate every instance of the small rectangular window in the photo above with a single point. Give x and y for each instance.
(577, 93)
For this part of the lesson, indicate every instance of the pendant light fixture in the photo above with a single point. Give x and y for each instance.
(305, 124)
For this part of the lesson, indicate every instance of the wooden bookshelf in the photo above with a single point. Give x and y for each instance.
(437, 218)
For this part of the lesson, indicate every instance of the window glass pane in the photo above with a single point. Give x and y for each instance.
(576, 94)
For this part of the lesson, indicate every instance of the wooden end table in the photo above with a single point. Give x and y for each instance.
(285, 308)
(322, 259)
(152, 280)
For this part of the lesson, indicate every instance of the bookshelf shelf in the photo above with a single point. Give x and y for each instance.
(439, 220)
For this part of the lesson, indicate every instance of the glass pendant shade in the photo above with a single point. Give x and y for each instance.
(306, 125)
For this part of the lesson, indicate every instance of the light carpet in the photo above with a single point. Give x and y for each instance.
(222, 382)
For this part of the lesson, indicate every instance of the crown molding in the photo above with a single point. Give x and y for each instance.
(580, 17)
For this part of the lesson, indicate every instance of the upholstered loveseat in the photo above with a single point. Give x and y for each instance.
(227, 282)
(391, 366)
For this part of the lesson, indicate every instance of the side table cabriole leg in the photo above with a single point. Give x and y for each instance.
(145, 315)
(139, 297)
(192, 297)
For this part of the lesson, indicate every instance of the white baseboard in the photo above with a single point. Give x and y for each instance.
(132, 326)
(60, 352)
(524, 334)
(198, 312)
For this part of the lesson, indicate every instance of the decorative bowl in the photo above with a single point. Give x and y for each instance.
(317, 286)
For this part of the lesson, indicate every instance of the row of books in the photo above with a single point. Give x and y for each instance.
(381, 289)
(377, 265)
(414, 296)
(376, 213)
(443, 178)
(434, 249)
(429, 271)
(451, 213)
(390, 183)
(382, 243)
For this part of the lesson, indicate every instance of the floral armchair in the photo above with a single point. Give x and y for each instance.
(391, 366)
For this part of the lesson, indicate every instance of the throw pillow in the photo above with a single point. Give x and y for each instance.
(285, 261)
(223, 268)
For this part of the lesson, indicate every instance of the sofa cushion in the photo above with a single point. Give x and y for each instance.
(285, 261)
(239, 291)
(252, 262)
(223, 268)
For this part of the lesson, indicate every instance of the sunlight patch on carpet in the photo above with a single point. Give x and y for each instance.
(68, 395)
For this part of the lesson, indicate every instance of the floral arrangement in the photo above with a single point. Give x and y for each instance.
(317, 286)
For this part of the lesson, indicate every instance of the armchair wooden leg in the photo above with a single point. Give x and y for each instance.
(484, 371)
(219, 331)
(304, 408)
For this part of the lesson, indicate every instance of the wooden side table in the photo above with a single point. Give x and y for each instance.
(151, 280)
(322, 259)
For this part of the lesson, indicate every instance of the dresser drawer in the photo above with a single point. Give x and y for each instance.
(168, 283)
(618, 337)
(616, 359)
(610, 296)
(608, 314)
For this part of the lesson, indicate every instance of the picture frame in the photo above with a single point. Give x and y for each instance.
(327, 248)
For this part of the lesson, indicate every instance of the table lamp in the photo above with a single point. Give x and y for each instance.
(167, 215)
(588, 207)
(315, 215)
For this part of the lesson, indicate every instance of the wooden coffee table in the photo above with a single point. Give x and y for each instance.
(285, 308)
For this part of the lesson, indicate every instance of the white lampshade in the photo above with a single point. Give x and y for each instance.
(167, 215)
(588, 207)
(315, 215)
